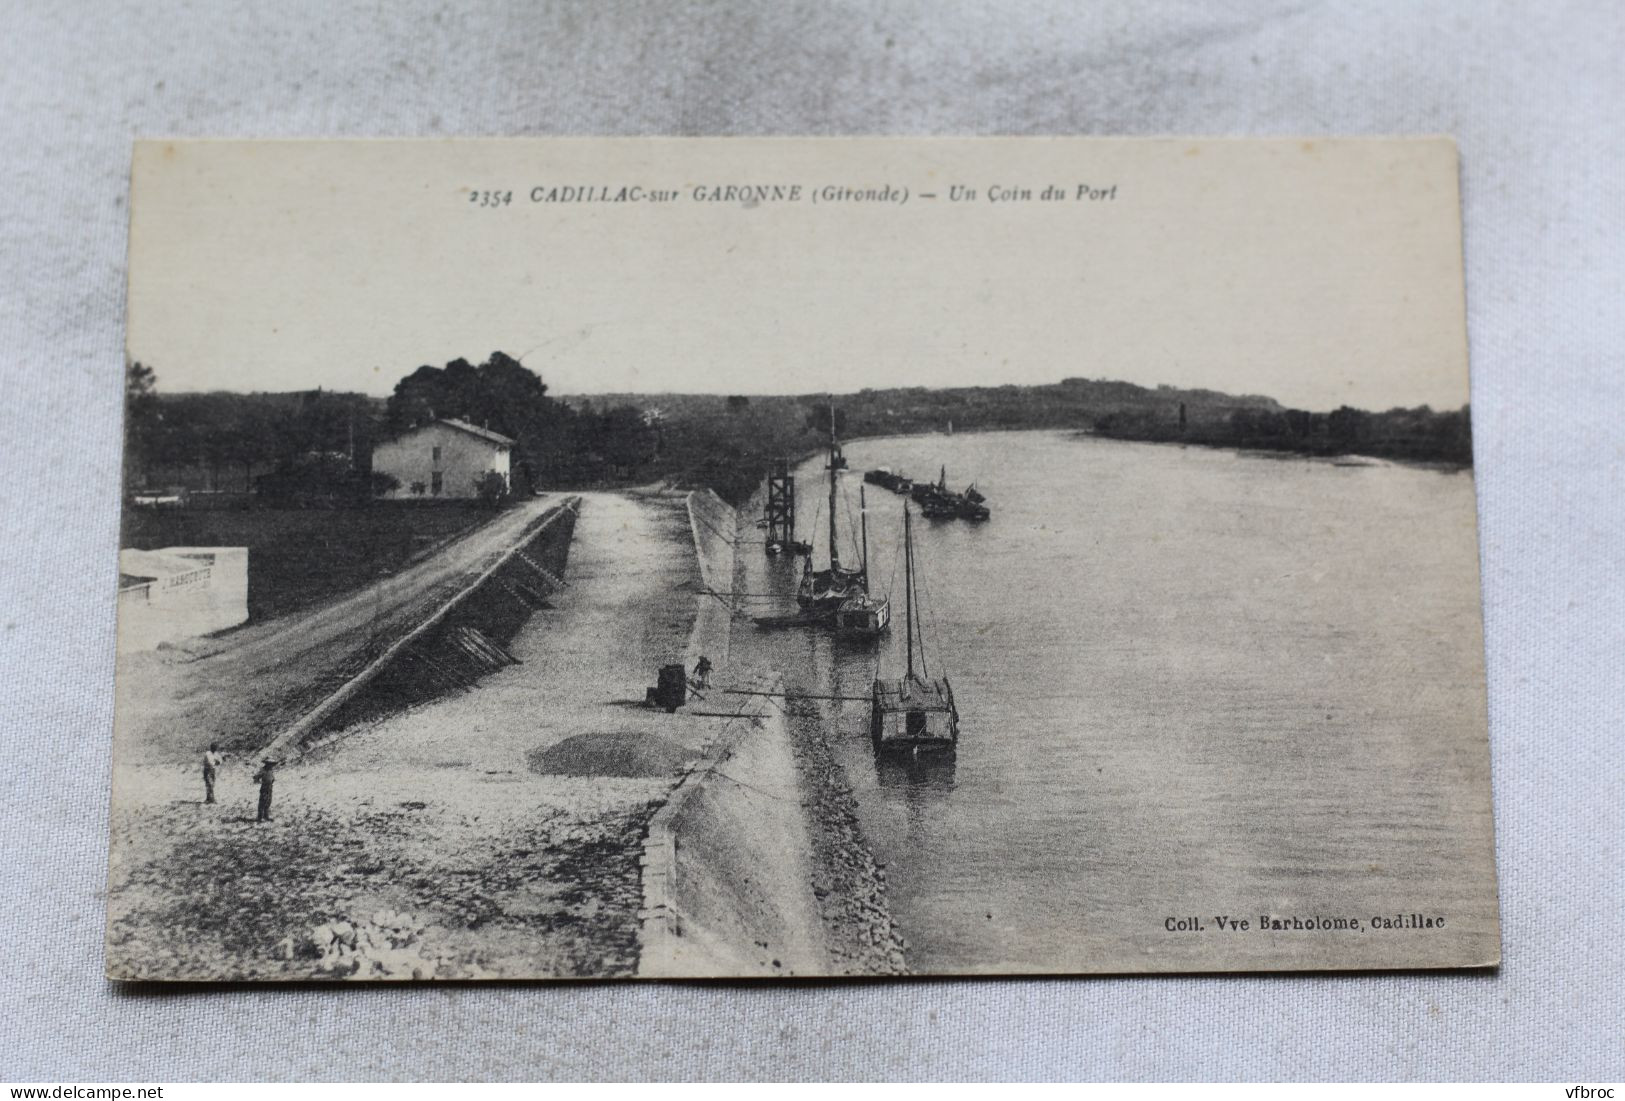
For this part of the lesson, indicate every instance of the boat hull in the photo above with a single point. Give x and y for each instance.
(915, 715)
(829, 589)
(863, 617)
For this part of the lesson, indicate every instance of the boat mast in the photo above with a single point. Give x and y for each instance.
(908, 584)
(834, 551)
(863, 525)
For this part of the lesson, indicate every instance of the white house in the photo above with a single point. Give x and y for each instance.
(448, 458)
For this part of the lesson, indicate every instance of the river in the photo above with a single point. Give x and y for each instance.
(1193, 683)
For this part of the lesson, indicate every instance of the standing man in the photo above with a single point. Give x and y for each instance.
(212, 760)
(267, 778)
(702, 672)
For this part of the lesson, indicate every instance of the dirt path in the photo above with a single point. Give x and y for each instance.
(487, 834)
(240, 687)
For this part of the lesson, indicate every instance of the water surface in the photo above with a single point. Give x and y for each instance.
(1193, 683)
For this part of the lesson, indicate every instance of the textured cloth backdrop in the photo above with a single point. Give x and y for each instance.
(1532, 91)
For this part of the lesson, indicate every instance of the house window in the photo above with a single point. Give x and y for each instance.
(437, 481)
(436, 455)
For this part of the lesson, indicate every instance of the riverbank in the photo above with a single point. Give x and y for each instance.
(492, 833)
(758, 863)
(848, 885)
(1332, 457)
(1420, 436)
(507, 831)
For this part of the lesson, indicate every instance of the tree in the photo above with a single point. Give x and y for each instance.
(419, 398)
(258, 435)
(625, 439)
(501, 394)
(818, 419)
(491, 488)
(143, 420)
(1347, 426)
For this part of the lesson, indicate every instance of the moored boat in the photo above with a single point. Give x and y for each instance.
(938, 502)
(972, 505)
(837, 595)
(915, 714)
(886, 478)
(863, 616)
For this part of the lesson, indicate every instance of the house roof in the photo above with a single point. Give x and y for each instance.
(476, 430)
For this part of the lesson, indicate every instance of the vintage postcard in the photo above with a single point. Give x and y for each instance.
(613, 558)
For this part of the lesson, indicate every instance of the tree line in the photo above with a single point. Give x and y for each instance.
(320, 442)
(1418, 434)
(224, 441)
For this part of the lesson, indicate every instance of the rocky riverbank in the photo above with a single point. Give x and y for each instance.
(860, 935)
(850, 886)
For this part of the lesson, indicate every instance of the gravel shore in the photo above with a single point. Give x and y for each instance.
(540, 879)
(850, 887)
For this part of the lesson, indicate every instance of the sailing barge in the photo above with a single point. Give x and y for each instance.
(837, 597)
(916, 714)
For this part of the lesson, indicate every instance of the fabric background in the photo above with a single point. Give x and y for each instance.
(1533, 92)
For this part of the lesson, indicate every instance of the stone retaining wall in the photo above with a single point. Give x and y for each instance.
(715, 527)
(727, 879)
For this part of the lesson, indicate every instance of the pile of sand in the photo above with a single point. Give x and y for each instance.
(614, 753)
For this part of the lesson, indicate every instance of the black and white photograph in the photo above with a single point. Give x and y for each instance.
(779, 558)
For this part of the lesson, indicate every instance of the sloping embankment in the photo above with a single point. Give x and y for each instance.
(456, 644)
(715, 528)
(727, 875)
(756, 865)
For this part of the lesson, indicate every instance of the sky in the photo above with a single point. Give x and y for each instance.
(1318, 273)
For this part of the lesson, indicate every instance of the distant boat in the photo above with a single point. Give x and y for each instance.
(886, 479)
(972, 506)
(938, 502)
(915, 715)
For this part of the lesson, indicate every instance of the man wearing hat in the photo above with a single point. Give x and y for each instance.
(267, 780)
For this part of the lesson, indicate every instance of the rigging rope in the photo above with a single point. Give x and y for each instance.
(919, 579)
(851, 525)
